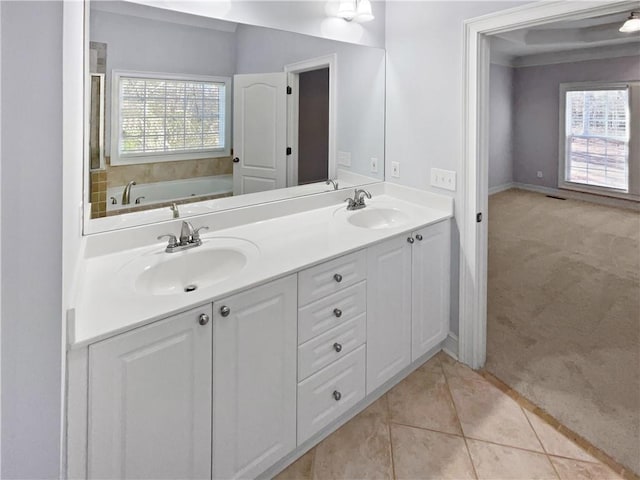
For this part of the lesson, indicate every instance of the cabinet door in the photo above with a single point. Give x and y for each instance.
(430, 287)
(150, 401)
(255, 379)
(388, 310)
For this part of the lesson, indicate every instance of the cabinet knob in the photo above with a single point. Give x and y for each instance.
(410, 240)
(337, 347)
(337, 277)
(419, 237)
(337, 312)
(337, 395)
(225, 311)
(203, 319)
(236, 160)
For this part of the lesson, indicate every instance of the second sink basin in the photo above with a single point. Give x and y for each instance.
(375, 217)
(184, 272)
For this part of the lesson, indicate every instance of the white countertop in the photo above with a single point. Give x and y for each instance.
(106, 305)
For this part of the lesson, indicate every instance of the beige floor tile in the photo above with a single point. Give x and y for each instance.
(554, 442)
(423, 454)
(485, 412)
(301, 469)
(359, 449)
(495, 462)
(575, 470)
(423, 400)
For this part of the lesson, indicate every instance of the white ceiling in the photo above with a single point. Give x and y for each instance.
(594, 33)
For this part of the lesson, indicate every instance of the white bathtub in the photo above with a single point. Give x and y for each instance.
(173, 190)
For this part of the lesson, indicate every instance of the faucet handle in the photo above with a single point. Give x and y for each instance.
(173, 241)
(196, 233)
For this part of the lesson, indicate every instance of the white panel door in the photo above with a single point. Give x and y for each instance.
(388, 310)
(259, 132)
(150, 401)
(255, 347)
(430, 287)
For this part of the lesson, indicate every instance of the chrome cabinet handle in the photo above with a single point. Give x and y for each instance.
(419, 237)
(337, 347)
(225, 311)
(203, 319)
(337, 395)
(337, 312)
(410, 240)
(337, 277)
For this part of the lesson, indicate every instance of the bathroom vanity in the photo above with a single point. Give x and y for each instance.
(314, 313)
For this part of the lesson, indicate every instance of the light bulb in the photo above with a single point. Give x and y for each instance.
(347, 10)
(632, 24)
(364, 12)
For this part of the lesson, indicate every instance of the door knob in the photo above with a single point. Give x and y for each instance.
(337, 395)
(410, 240)
(203, 319)
(225, 311)
(236, 160)
(337, 277)
(337, 347)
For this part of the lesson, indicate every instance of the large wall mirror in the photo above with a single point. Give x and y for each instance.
(186, 109)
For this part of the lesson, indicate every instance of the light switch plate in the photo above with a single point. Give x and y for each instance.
(344, 158)
(443, 179)
(395, 169)
(374, 165)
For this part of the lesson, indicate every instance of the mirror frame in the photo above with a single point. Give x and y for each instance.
(91, 226)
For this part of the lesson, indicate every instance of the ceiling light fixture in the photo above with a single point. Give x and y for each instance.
(356, 10)
(632, 24)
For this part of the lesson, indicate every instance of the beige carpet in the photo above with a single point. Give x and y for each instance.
(564, 313)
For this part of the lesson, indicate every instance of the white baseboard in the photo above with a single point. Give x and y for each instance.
(450, 345)
(585, 197)
(500, 188)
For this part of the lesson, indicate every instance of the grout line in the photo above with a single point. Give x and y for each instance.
(535, 432)
(455, 411)
(572, 436)
(393, 463)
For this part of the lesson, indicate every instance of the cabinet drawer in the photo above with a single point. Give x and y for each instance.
(331, 311)
(331, 277)
(325, 349)
(325, 396)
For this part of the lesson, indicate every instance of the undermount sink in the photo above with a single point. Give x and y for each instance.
(374, 217)
(184, 272)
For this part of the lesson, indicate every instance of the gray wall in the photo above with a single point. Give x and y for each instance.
(536, 110)
(500, 126)
(31, 189)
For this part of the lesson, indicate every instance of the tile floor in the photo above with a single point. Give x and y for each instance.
(445, 421)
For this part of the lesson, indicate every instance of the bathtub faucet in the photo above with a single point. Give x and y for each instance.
(126, 195)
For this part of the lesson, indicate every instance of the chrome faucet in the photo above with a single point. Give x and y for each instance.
(357, 202)
(174, 209)
(189, 238)
(126, 195)
(332, 182)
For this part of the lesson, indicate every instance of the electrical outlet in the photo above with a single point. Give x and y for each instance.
(374, 165)
(344, 158)
(539, 174)
(395, 169)
(443, 179)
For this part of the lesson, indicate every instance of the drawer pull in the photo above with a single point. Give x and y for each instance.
(337, 347)
(337, 312)
(337, 395)
(203, 319)
(225, 311)
(410, 240)
(337, 277)
(419, 237)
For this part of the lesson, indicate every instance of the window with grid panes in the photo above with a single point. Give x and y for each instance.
(597, 137)
(170, 118)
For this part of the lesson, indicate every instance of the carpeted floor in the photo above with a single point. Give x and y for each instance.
(564, 313)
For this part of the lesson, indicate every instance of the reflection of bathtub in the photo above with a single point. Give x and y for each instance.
(173, 190)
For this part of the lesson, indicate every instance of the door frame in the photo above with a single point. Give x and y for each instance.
(474, 174)
(293, 71)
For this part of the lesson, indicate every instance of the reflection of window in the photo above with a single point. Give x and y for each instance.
(596, 136)
(160, 117)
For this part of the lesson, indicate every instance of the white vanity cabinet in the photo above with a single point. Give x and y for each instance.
(407, 300)
(254, 358)
(149, 401)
